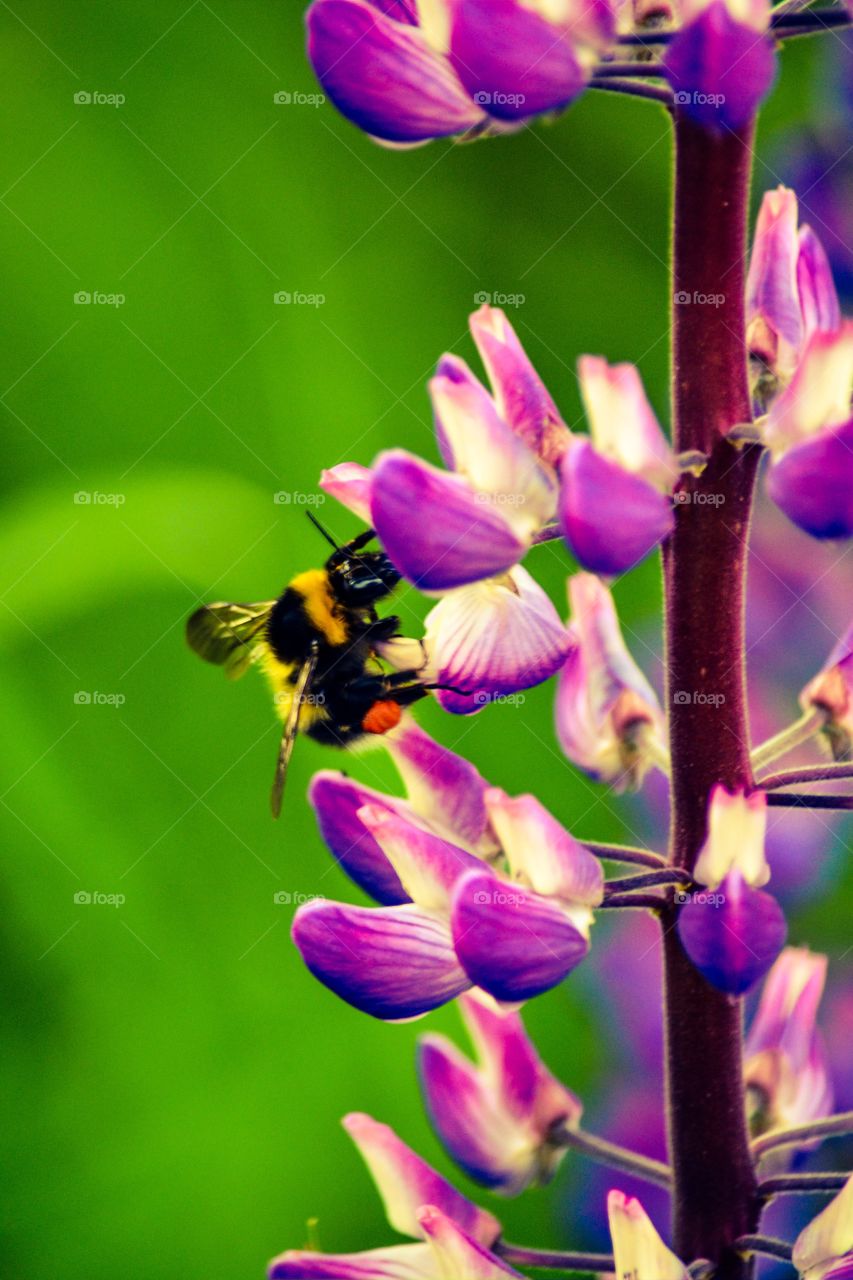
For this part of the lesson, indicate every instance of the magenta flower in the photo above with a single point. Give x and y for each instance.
(609, 721)
(734, 931)
(790, 293)
(722, 62)
(785, 1068)
(809, 433)
(514, 926)
(498, 1118)
(615, 500)
(408, 71)
(462, 533)
(454, 1234)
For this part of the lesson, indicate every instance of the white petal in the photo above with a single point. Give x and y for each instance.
(737, 826)
(494, 638)
(622, 423)
(638, 1249)
(828, 1236)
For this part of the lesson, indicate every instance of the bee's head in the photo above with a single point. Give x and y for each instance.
(361, 578)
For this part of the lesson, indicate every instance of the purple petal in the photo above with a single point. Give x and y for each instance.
(512, 61)
(818, 296)
(435, 529)
(384, 76)
(400, 1262)
(720, 68)
(772, 296)
(390, 962)
(813, 483)
(512, 943)
(406, 1183)
(492, 640)
(732, 935)
(493, 458)
(443, 788)
(480, 1137)
(610, 518)
(522, 398)
(428, 866)
(336, 800)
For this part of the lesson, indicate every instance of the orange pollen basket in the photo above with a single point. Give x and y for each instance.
(382, 716)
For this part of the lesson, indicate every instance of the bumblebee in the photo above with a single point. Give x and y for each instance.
(317, 644)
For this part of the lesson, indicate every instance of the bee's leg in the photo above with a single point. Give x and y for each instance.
(357, 543)
(382, 629)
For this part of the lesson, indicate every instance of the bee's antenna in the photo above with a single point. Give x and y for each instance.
(324, 532)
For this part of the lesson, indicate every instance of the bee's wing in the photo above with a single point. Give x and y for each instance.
(301, 690)
(229, 635)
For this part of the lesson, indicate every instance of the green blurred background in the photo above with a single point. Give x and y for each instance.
(173, 1078)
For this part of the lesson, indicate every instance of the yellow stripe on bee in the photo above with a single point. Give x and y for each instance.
(280, 676)
(321, 606)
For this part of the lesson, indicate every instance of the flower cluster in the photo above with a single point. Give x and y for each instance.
(479, 890)
(407, 71)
